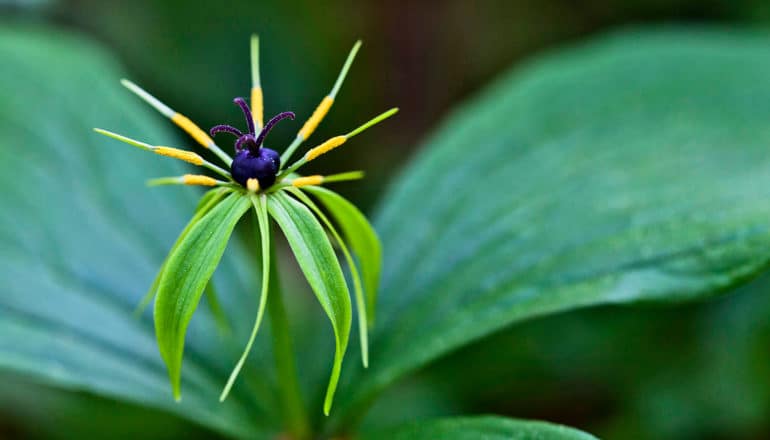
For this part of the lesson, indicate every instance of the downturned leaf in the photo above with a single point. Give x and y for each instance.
(361, 237)
(357, 287)
(316, 258)
(186, 272)
(632, 168)
(485, 427)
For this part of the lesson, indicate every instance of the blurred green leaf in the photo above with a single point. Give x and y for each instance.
(693, 371)
(316, 258)
(81, 238)
(186, 273)
(362, 238)
(633, 168)
(473, 428)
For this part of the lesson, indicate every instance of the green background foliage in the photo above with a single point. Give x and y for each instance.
(613, 182)
(630, 168)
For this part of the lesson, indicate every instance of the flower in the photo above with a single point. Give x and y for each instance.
(257, 177)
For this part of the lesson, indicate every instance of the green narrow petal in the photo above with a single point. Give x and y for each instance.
(186, 273)
(345, 68)
(372, 122)
(316, 258)
(255, 82)
(357, 288)
(361, 237)
(260, 207)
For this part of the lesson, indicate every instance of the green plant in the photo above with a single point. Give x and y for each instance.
(262, 179)
(630, 169)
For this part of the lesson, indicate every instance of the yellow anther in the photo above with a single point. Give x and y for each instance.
(257, 107)
(193, 130)
(252, 185)
(308, 180)
(316, 117)
(198, 179)
(187, 156)
(327, 146)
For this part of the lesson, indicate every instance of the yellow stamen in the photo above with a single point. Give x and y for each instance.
(187, 156)
(252, 185)
(198, 179)
(257, 109)
(326, 147)
(316, 117)
(193, 130)
(308, 180)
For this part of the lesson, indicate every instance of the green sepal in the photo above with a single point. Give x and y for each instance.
(361, 237)
(357, 288)
(188, 269)
(316, 258)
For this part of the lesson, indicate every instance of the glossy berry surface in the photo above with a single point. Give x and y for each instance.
(262, 165)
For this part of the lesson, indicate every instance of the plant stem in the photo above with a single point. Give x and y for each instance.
(286, 369)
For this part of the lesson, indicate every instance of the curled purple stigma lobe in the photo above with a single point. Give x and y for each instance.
(225, 128)
(249, 140)
(246, 139)
(270, 124)
(240, 102)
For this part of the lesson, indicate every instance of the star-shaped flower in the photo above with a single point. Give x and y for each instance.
(259, 178)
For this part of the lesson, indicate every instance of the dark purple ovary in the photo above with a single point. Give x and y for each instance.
(252, 161)
(262, 165)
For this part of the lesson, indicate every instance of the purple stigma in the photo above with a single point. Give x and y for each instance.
(249, 140)
(246, 138)
(270, 124)
(225, 128)
(240, 102)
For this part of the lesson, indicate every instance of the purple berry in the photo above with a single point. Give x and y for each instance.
(263, 166)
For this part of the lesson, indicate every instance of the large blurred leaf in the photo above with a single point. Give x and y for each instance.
(473, 428)
(634, 168)
(687, 372)
(81, 238)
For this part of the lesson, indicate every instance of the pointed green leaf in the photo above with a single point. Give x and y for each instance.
(187, 271)
(363, 328)
(362, 238)
(483, 427)
(316, 258)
